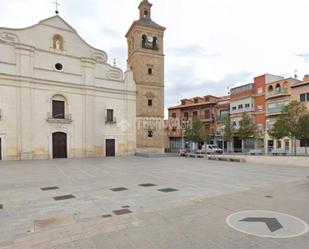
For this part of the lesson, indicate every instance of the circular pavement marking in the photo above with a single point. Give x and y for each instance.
(267, 224)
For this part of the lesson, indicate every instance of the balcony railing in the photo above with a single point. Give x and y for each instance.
(278, 92)
(275, 110)
(64, 119)
(242, 110)
(110, 120)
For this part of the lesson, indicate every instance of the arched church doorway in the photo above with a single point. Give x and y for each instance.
(59, 145)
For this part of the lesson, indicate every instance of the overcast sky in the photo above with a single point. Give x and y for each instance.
(210, 45)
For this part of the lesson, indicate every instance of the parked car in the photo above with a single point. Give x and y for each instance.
(182, 152)
(212, 149)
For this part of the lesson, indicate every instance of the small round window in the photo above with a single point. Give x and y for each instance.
(58, 67)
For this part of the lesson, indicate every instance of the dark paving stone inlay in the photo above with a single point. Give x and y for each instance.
(268, 196)
(49, 188)
(167, 190)
(106, 216)
(63, 197)
(1, 206)
(125, 206)
(147, 185)
(118, 189)
(122, 211)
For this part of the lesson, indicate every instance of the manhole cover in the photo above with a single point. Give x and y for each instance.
(122, 211)
(49, 188)
(167, 190)
(118, 189)
(269, 224)
(147, 185)
(63, 197)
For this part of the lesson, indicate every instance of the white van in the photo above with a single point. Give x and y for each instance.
(212, 149)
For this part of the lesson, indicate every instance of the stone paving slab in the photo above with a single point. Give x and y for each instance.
(207, 192)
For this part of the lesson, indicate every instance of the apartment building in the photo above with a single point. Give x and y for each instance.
(278, 95)
(204, 108)
(242, 101)
(300, 92)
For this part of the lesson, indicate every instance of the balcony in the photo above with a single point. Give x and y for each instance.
(110, 120)
(65, 119)
(242, 110)
(277, 93)
(274, 111)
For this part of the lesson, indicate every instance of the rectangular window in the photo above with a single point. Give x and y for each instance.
(223, 115)
(302, 97)
(173, 115)
(110, 115)
(149, 102)
(207, 114)
(307, 96)
(195, 114)
(247, 105)
(149, 70)
(58, 109)
(279, 144)
(234, 108)
(186, 115)
(240, 106)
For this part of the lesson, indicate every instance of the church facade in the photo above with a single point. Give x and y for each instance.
(59, 98)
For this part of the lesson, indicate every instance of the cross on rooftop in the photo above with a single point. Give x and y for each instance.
(57, 5)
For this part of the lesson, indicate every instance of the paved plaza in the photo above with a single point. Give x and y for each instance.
(135, 202)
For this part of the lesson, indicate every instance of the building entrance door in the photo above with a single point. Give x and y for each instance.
(237, 144)
(110, 147)
(59, 145)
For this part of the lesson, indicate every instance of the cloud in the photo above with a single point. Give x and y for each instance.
(305, 57)
(191, 51)
(183, 84)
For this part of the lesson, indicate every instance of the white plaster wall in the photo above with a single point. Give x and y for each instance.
(28, 81)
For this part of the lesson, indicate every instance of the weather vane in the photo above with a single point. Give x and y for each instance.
(57, 5)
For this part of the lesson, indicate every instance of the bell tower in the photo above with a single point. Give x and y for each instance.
(146, 60)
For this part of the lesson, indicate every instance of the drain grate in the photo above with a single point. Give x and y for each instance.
(118, 189)
(167, 190)
(122, 211)
(63, 197)
(106, 216)
(49, 188)
(147, 185)
(1, 206)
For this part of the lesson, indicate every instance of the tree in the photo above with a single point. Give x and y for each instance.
(279, 129)
(196, 132)
(303, 130)
(288, 122)
(247, 128)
